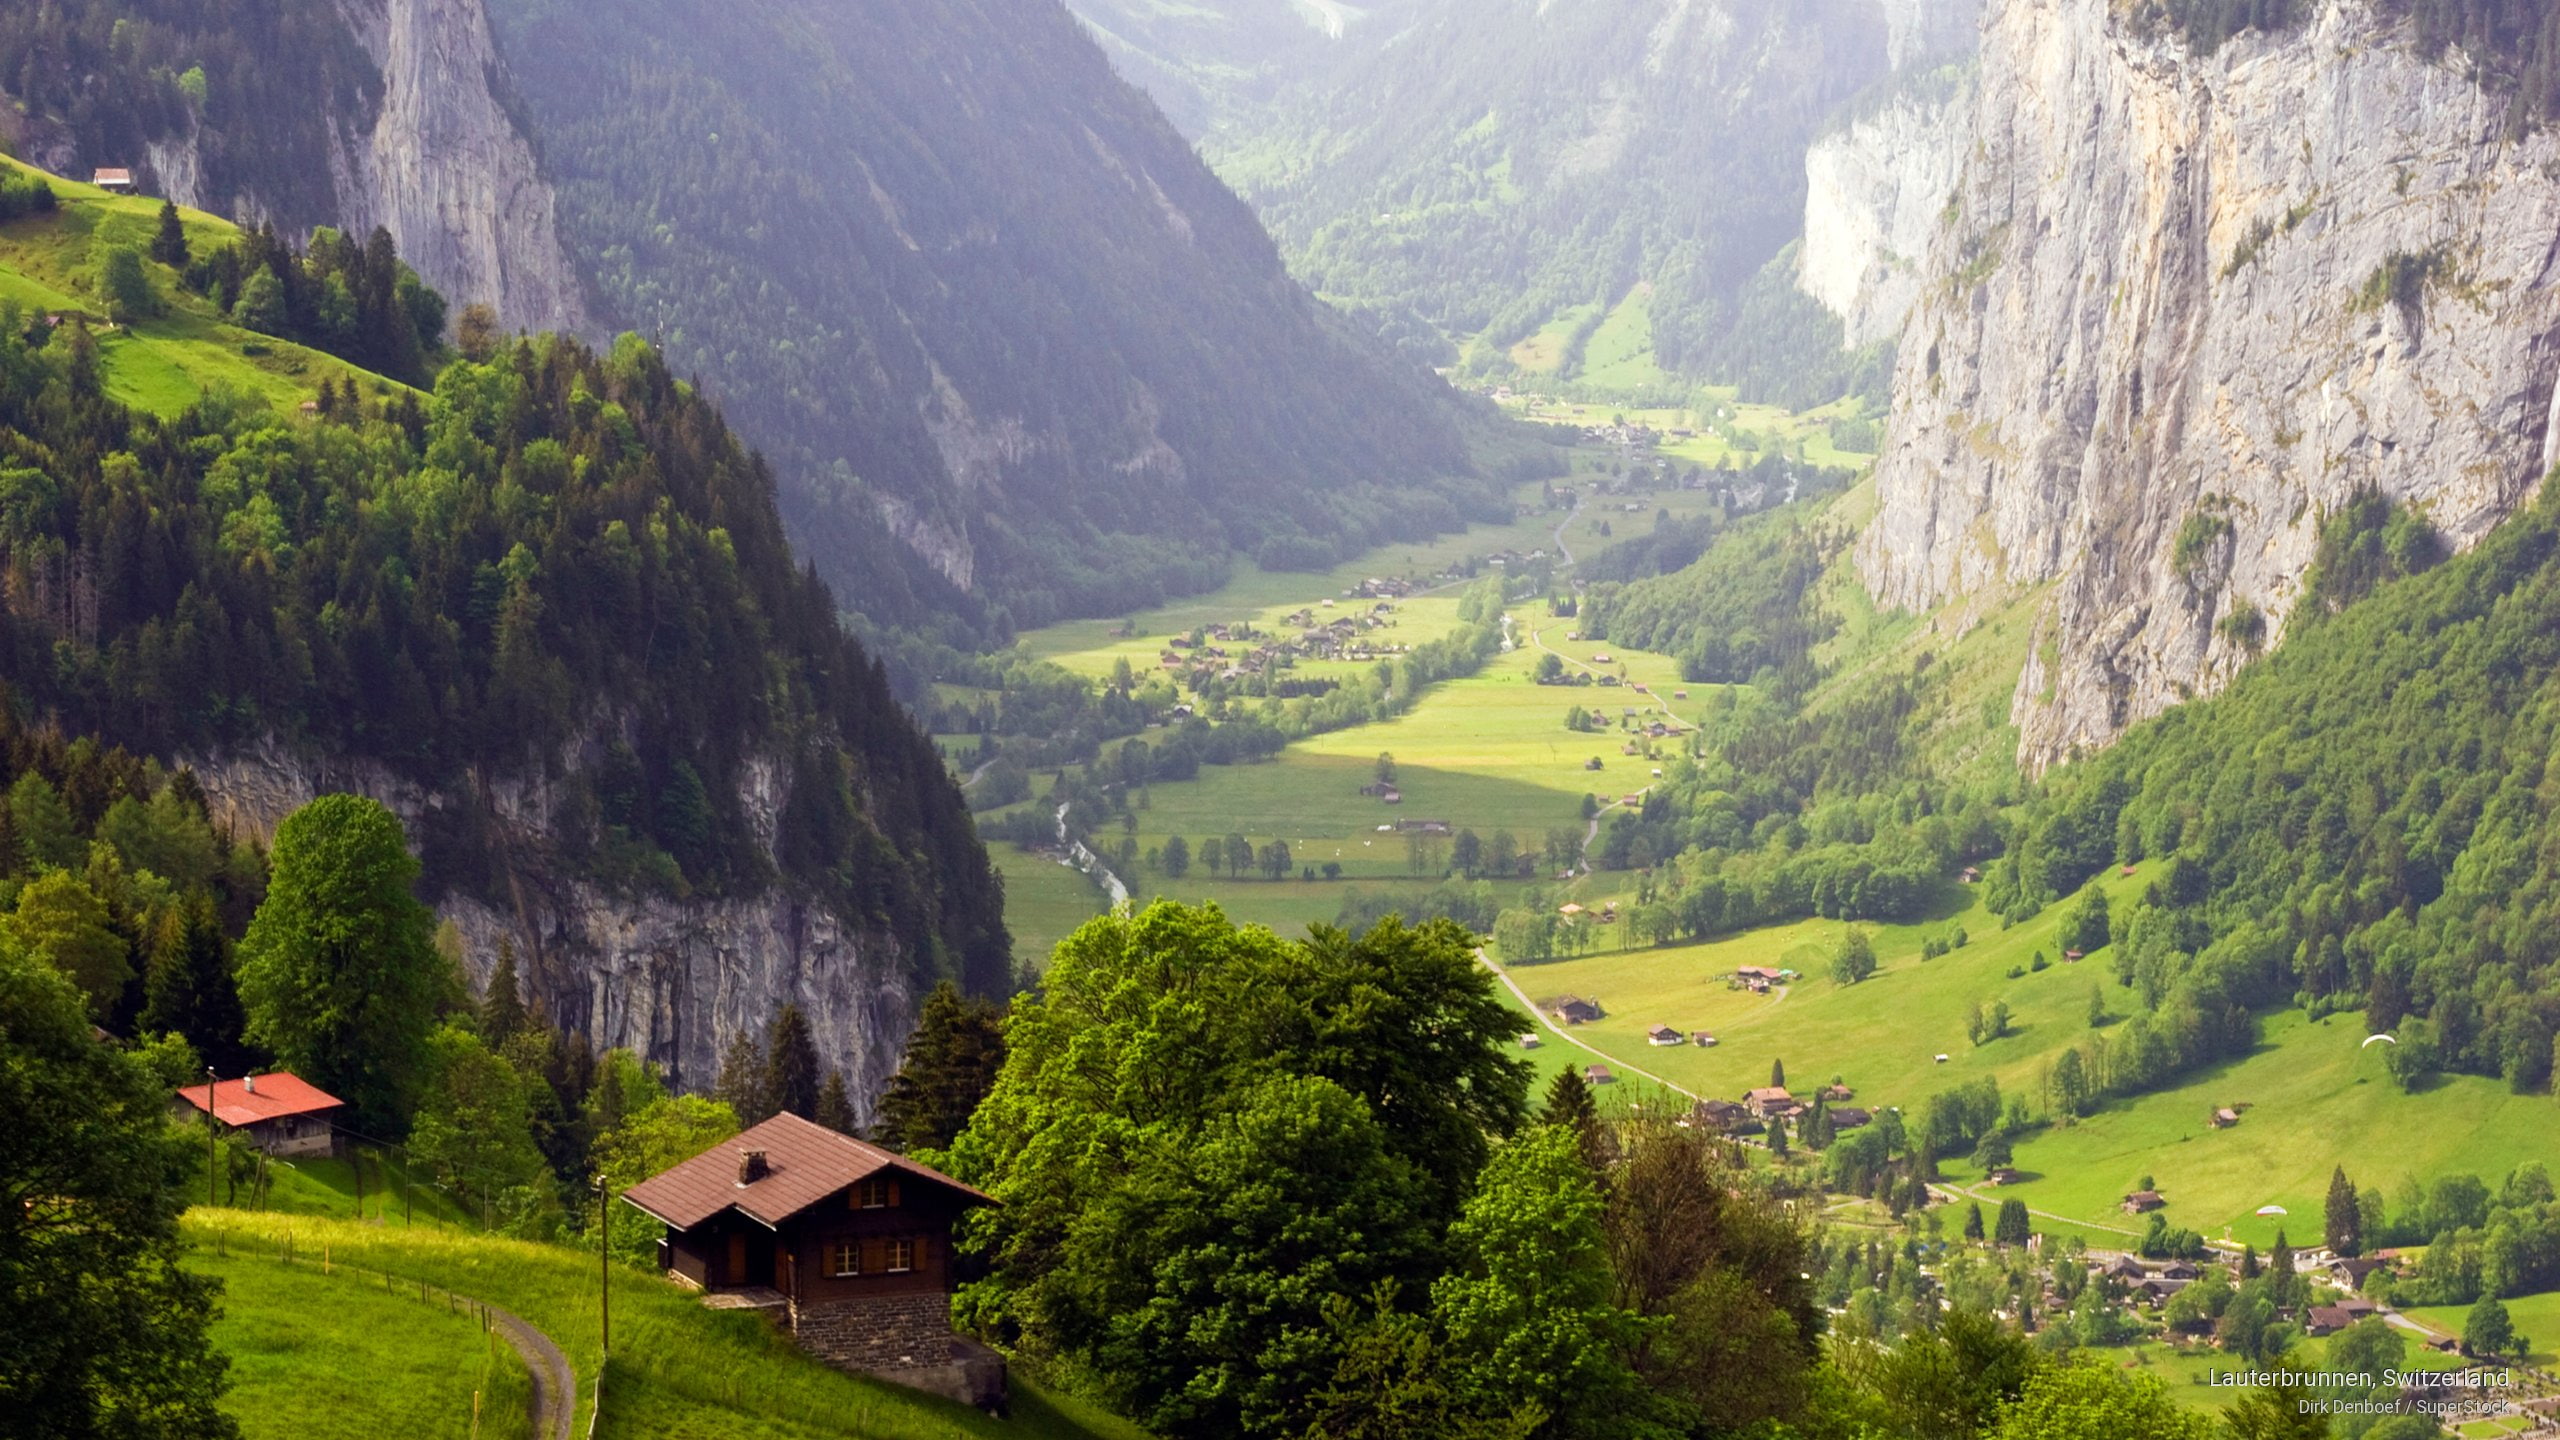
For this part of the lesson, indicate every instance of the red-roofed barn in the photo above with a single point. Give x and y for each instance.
(280, 1112)
(850, 1244)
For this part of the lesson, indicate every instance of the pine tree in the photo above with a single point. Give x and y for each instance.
(2345, 1228)
(1973, 1220)
(950, 1065)
(791, 1064)
(502, 1012)
(169, 246)
(1778, 1074)
(1778, 1137)
(835, 1107)
(188, 990)
(742, 1081)
(2249, 1262)
(2011, 1228)
(2281, 1281)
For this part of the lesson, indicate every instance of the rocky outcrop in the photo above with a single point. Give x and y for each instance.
(672, 980)
(437, 161)
(2165, 305)
(446, 172)
(1876, 190)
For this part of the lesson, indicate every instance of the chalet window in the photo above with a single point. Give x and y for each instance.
(844, 1257)
(902, 1256)
(875, 1194)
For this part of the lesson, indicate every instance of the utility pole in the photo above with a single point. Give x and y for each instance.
(604, 1266)
(209, 1141)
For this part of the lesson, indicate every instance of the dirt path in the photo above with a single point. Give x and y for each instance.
(1961, 1193)
(555, 1383)
(1567, 1037)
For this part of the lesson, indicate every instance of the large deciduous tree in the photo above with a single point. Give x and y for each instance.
(339, 971)
(101, 1333)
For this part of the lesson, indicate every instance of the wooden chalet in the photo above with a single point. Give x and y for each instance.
(846, 1244)
(115, 180)
(1573, 1010)
(1770, 1100)
(2143, 1201)
(279, 1112)
(1665, 1035)
(1598, 1075)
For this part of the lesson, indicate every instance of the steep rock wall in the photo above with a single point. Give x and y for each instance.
(672, 980)
(2151, 307)
(1876, 191)
(446, 171)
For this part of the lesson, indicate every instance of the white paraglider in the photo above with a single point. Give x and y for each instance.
(2369, 1039)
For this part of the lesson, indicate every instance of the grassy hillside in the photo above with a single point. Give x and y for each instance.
(677, 1368)
(321, 1356)
(160, 366)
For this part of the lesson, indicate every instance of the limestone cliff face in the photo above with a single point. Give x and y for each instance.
(437, 162)
(2155, 309)
(1876, 191)
(446, 172)
(671, 980)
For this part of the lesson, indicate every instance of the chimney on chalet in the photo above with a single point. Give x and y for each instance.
(751, 1167)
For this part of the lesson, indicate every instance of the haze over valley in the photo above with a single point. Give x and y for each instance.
(1275, 718)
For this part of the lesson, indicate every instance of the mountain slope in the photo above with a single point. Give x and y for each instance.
(547, 614)
(943, 264)
(2158, 348)
(352, 114)
(1487, 168)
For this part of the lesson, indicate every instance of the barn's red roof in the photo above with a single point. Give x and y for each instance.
(261, 1097)
(804, 1164)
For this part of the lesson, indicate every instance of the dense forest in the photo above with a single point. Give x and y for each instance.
(561, 563)
(2363, 821)
(946, 259)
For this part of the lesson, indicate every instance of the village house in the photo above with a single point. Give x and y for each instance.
(1573, 1010)
(2322, 1320)
(2224, 1118)
(2002, 1175)
(2350, 1271)
(1771, 1101)
(1530, 1041)
(1664, 1035)
(114, 180)
(1702, 1039)
(844, 1244)
(1730, 1117)
(279, 1112)
(1835, 1093)
(2143, 1201)
(1598, 1075)
(1850, 1117)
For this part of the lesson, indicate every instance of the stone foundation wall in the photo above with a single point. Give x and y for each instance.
(886, 1332)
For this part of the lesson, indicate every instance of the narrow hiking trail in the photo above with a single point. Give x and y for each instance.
(555, 1381)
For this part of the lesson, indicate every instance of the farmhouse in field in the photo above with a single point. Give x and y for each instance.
(115, 181)
(1770, 1101)
(1598, 1075)
(844, 1244)
(1730, 1116)
(2225, 1118)
(280, 1112)
(1664, 1035)
(2143, 1201)
(1573, 1010)
(1850, 1117)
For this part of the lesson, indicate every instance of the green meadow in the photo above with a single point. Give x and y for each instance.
(677, 1369)
(339, 1356)
(1044, 901)
(161, 365)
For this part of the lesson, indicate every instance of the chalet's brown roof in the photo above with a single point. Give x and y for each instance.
(805, 1163)
(271, 1096)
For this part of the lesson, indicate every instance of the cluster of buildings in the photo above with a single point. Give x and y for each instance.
(1236, 652)
(1772, 1104)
